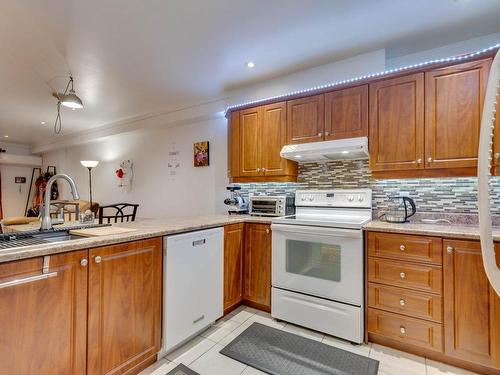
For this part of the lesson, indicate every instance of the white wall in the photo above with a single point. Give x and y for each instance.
(193, 191)
(13, 200)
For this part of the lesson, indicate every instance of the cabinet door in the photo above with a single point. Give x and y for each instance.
(305, 119)
(346, 113)
(469, 304)
(397, 123)
(257, 265)
(124, 332)
(273, 139)
(454, 103)
(233, 146)
(43, 319)
(250, 141)
(233, 265)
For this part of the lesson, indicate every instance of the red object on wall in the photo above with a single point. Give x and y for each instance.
(120, 173)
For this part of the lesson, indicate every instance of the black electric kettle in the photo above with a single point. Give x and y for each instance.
(405, 209)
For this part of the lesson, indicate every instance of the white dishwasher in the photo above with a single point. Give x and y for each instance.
(193, 284)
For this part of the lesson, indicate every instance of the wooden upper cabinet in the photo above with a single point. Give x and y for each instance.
(233, 145)
(256, 137)
(273, 138)
(397, 123)
(250, 141)
(454, 103)
(233, 265)
(496, 142)
(470, 321)
(257, 265)
(43, 320)
(305, 119)
(346, 113)
(124, 312)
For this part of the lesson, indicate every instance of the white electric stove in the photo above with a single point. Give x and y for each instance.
(317, 262)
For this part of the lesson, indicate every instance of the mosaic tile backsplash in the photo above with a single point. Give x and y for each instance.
(440, 195)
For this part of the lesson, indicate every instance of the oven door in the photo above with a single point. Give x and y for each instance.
(319, 261)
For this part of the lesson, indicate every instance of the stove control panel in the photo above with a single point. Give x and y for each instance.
(355, 198)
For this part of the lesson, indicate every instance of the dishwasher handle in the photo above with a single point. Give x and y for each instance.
(199, 242)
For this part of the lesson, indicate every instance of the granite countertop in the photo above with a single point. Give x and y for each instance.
(144, 228)
(441, 230)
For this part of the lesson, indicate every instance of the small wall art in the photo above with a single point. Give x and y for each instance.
(201, 154)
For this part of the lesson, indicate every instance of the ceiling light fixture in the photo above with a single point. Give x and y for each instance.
(6, 136)
(43, 123)
(68, 99)
(250, 64)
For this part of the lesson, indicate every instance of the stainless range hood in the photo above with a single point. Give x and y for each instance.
(341, 149)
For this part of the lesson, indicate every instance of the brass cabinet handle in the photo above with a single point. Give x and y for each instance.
(402, 329)
(449, 250)
(267, 230)
(402, 302)
(264, 169)
(97, 259)
(84, 262)
(497, 155)
(320, 134)
(258, 169)
(402, 275)
(419, 161)
(327, 133)
(429, 159)
(402, 247)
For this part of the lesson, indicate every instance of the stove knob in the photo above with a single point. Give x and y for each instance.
(311, 198)
(360, 198)
(350, 198)
(303, 199)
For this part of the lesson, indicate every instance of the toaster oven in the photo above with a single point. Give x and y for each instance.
(271, 205)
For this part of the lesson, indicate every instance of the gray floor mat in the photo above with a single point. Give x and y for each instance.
(283, 353)
(182, 370)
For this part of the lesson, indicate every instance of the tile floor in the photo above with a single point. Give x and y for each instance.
(202, 353)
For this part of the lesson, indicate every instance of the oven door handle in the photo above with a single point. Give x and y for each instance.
(324, 231)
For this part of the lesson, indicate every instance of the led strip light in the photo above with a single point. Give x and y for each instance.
(484, 174)
(361, 78)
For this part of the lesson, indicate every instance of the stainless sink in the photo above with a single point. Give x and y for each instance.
(57, 236)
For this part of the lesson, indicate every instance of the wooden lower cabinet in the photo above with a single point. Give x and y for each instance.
(449, 313)
(124, 312)
(471, 323)
(43, 319)
(234, 237)
(257, 266)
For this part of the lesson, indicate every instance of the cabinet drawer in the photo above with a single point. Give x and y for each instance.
(405, 247)
(404, 301)
(407, 330)
(407, 275)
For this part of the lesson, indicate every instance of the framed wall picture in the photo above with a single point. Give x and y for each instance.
(201, 154)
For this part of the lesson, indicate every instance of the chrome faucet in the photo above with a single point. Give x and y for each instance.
(46, 220)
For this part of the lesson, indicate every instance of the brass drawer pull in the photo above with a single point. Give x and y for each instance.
(449, 250)
(402, 329)
(402, 247)
(402, 302)
(97, 259)
(402, 275)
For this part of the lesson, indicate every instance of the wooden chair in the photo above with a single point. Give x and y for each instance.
(119, 212)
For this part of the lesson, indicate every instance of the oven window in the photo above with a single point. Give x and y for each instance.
(313, 259)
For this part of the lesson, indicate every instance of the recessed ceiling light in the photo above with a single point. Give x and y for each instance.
(6, 136)
(298, 156)
(43, 123)
(345, 152)
(250, 64)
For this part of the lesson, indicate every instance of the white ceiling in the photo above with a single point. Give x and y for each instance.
(134, 57)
